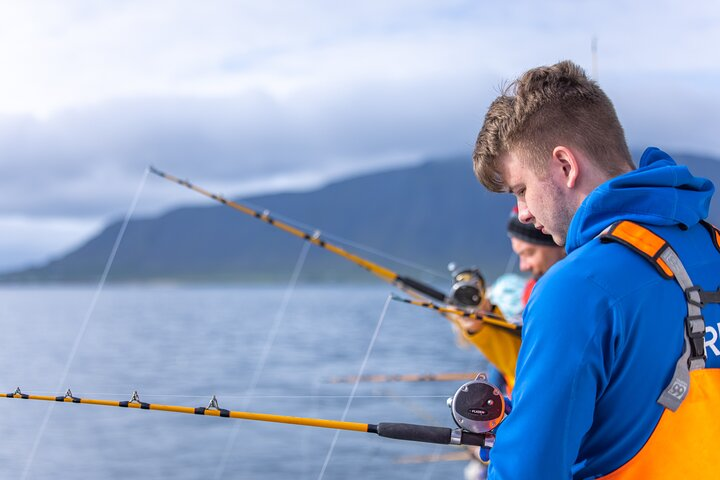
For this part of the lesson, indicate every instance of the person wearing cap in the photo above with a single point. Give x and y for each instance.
(615, 377)
(536, 251)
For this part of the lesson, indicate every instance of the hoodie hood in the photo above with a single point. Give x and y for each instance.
(659, 193)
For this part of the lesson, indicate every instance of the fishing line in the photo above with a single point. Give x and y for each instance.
(398, 260)
(408, 377)
(249, 397)
(494, 318)
(264, 355)
(350, 243)
(83, 326)
(422, 413)
(512, 261)
(419, 411)
(397, 431)
(432, 464)
(408, 284)
(355, 385)
(425, 415)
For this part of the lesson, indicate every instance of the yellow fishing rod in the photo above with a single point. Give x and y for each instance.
(385, 274)
(488, 318)
(397, 431)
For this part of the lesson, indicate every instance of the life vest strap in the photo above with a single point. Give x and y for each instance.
(710, 297)
(642, 241)
(659, 253)
(714, 233)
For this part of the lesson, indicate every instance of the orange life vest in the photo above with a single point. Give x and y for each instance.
(686, 441)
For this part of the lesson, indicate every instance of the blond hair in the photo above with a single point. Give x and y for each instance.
(544, 108)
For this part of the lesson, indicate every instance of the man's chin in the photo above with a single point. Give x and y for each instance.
(558, 239)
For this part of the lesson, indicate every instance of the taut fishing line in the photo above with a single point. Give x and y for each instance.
(512, 261)
(405, 283)
(435, 458)
(474, 433)
(83, 326)
(248, 397)
(279, 316)
(425, 415)
(355, 385)
(350, 243)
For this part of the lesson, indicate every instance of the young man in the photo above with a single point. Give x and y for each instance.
(612, 380)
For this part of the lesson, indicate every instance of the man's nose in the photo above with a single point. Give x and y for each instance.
(524, 214)
(524, 266)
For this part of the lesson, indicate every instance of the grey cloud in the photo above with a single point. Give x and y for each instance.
(87, 162)
(380, 82)
(680, 114)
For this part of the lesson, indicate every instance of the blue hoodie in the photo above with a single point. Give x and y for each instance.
(603, 330)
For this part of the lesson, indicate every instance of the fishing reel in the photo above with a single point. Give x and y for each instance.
(478, 406)
(468, 289)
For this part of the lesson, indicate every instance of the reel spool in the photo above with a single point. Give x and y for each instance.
(478, 406)
(468, 288)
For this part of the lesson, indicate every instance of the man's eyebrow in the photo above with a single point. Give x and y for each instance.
(526, 250)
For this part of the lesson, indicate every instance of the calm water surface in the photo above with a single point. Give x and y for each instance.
(181, 345)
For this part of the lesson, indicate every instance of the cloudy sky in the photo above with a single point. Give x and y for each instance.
(248, 96)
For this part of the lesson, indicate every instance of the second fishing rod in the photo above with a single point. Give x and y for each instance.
(403, 282)
(464, 293)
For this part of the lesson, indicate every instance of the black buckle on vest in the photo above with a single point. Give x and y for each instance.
(698, 303)
(696, 337)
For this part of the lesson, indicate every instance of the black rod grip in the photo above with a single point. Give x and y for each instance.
(423, 288)
(475, 439)
(415, 433)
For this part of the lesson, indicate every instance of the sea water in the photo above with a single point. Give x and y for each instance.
(180, 345)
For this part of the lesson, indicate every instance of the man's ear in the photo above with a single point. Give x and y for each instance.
(566, 162)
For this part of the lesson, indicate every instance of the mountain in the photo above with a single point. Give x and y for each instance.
(429, 214)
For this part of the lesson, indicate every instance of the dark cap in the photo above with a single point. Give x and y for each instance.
(527, 232)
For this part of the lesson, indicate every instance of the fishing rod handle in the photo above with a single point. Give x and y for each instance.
(428, 434)
(423, 288)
